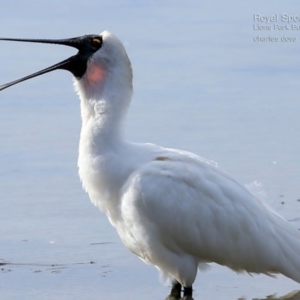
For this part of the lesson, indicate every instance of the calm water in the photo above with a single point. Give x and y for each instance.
(201, 84)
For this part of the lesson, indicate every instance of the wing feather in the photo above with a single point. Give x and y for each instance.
(186, 206)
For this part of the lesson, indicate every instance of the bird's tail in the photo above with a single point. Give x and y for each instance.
(288, 256)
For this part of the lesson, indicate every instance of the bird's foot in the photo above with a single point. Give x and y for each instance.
(175, 292)
(170, 297)
(187, 293)
(187, 298)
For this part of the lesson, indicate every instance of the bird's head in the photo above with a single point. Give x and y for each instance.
(101, 64)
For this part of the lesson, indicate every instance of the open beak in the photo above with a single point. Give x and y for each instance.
(87, 45)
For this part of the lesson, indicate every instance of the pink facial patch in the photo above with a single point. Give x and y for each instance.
(95, 73)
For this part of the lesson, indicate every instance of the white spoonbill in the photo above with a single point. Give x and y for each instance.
(173, 209)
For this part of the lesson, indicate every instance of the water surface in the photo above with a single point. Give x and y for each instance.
(201, 84)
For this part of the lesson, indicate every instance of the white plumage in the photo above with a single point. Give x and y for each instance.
(173, 209)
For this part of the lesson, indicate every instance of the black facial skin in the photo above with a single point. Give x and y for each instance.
(87, 45)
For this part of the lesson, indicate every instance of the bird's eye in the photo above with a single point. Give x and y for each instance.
(96, 43)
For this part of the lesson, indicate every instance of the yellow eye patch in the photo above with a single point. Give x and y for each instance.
(96, 43)
(96, 40)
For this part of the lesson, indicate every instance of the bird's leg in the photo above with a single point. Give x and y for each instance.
(187, 293)
(175, 291)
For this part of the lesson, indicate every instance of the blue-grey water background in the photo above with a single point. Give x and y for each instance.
(201, 84)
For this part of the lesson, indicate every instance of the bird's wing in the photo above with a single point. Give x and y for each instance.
(183, 204)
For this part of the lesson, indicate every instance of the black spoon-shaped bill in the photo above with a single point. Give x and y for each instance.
(87, 45)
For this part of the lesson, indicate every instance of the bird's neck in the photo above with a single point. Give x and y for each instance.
(105, 95)
(101, 123)
(100, 145)
(103, 110)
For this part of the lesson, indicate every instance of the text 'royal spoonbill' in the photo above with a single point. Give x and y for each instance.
(173, 209)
